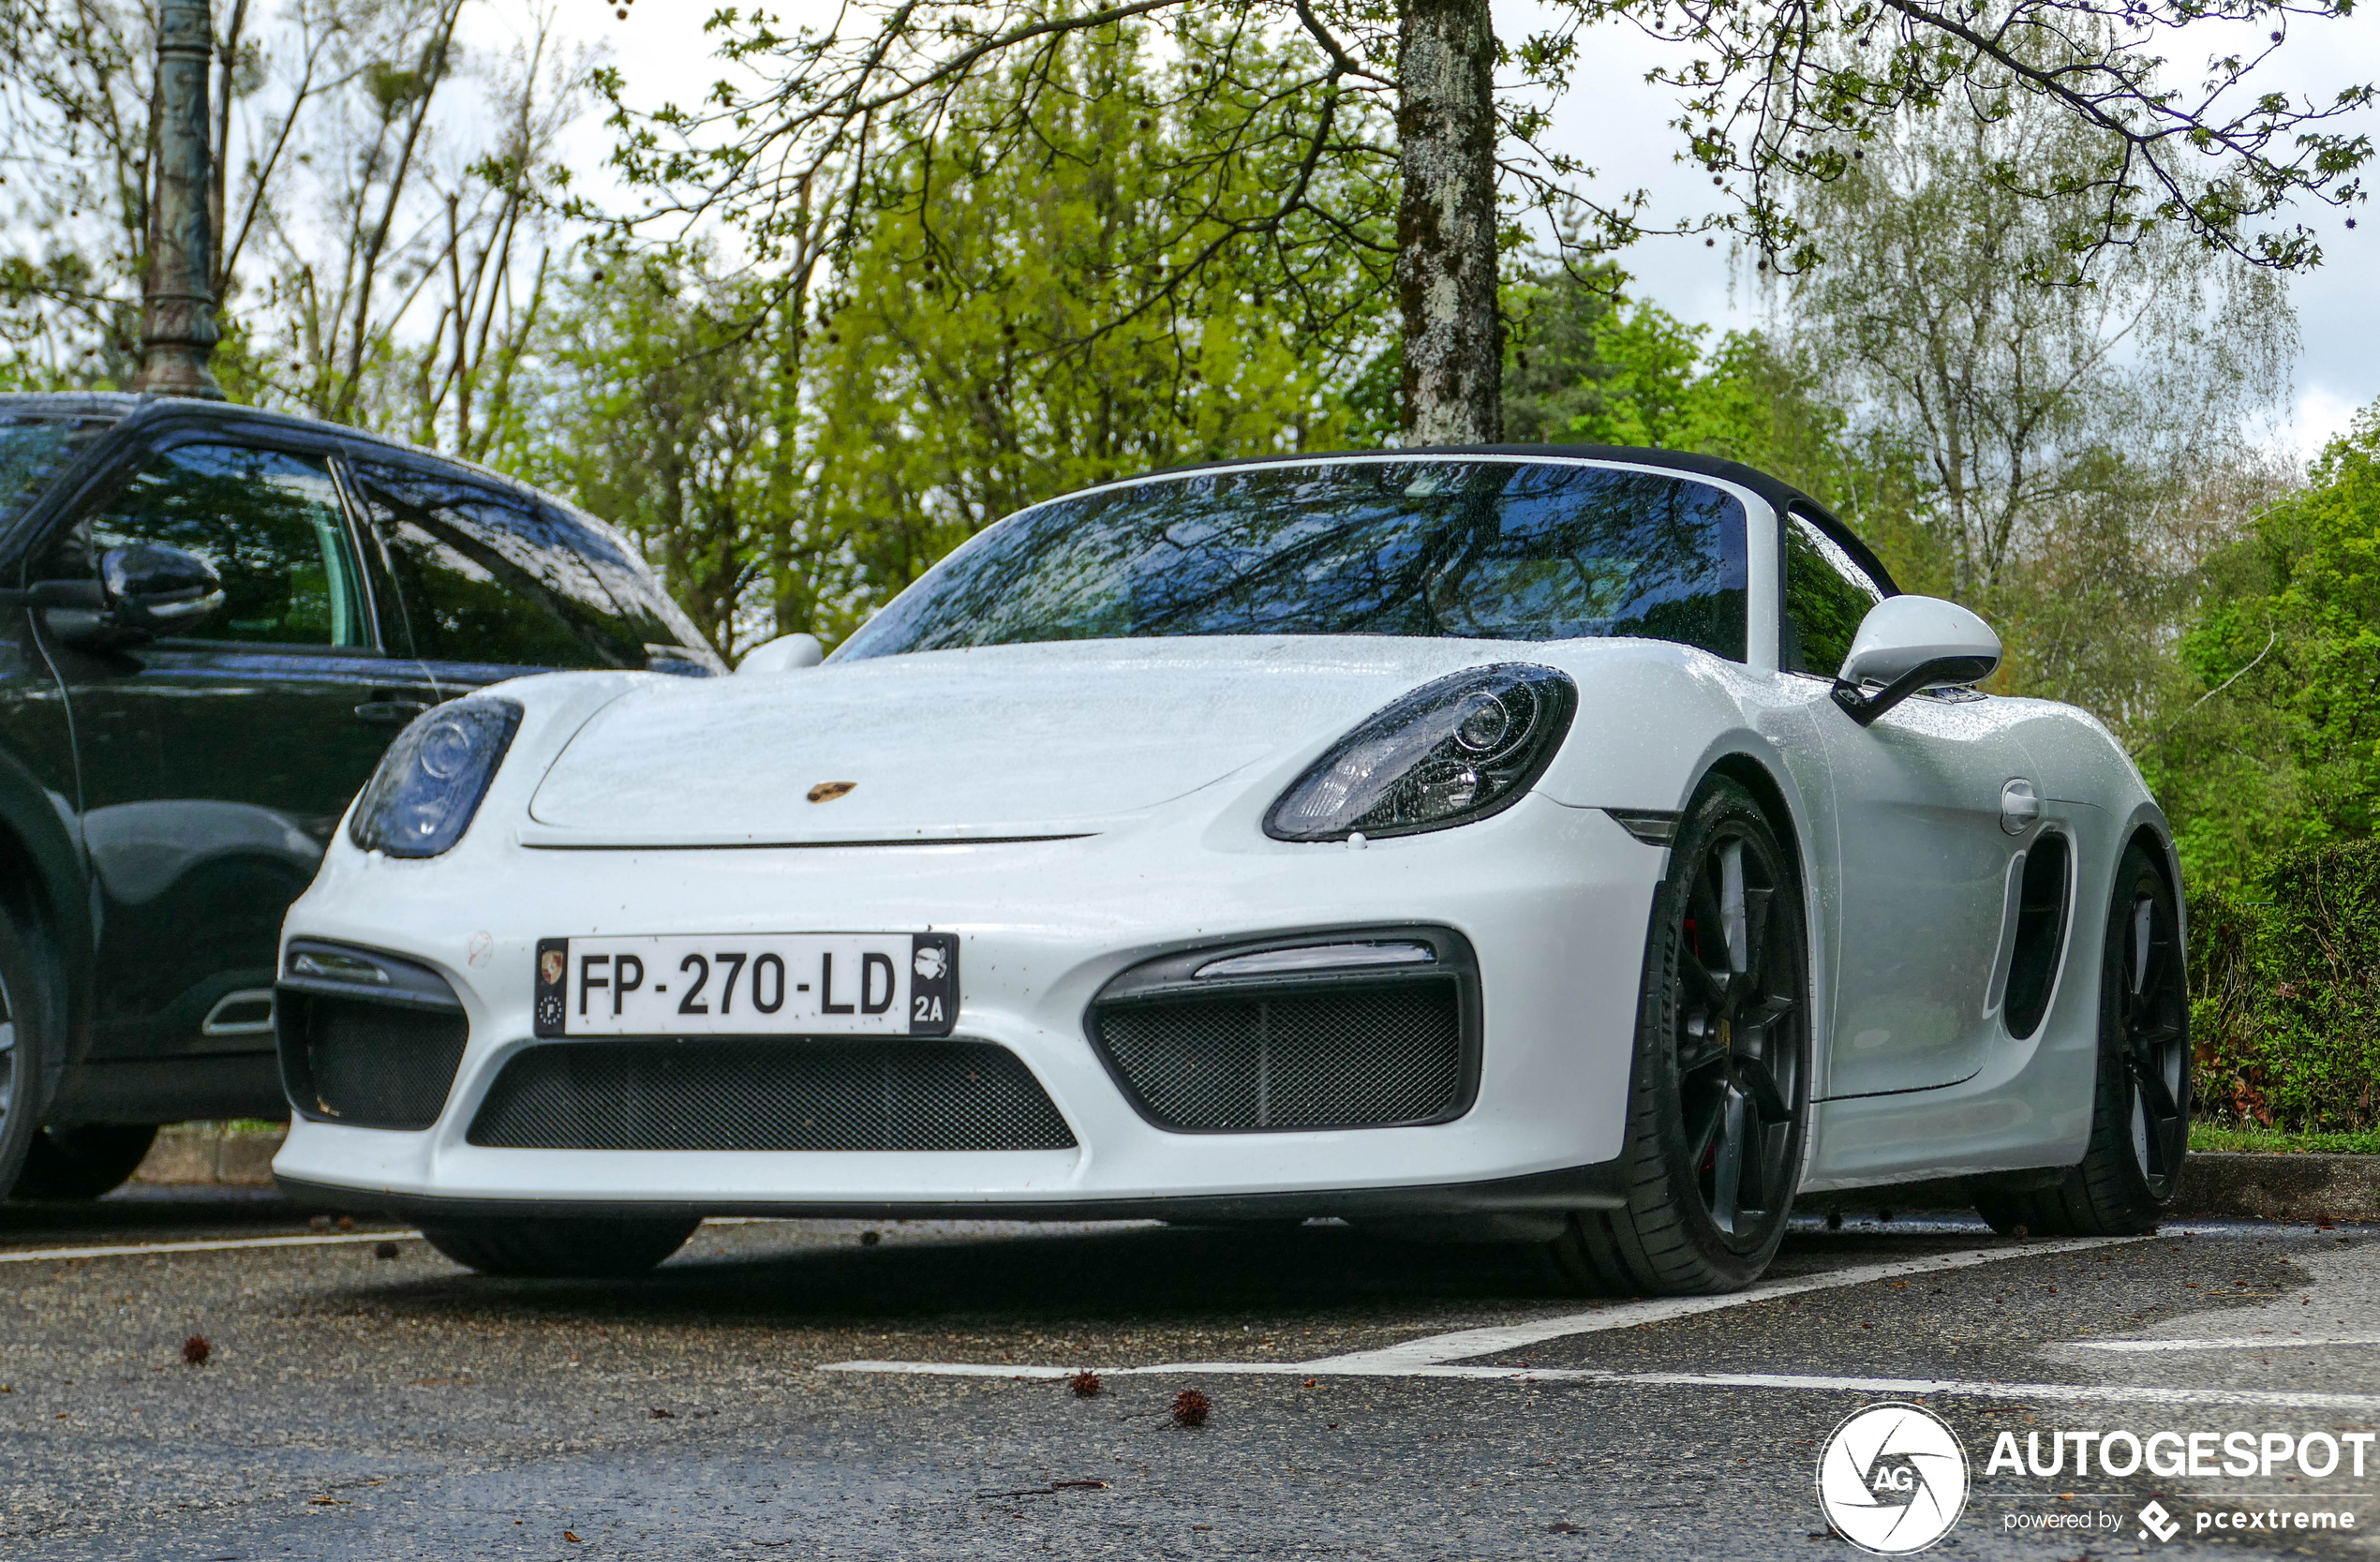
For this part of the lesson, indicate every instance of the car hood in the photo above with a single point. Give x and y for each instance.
(992, 742)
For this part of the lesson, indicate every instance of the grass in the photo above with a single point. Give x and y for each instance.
(2274, 1142)
(237, 1128)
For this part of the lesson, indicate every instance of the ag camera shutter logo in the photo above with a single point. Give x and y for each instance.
(1893, 1478)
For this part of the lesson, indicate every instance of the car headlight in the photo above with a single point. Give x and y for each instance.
(1454, 749)
(430, 782)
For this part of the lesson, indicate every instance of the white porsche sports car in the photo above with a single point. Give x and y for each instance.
(1577, 846)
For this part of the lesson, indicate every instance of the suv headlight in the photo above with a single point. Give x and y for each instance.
(1455, 749)
(430, 782)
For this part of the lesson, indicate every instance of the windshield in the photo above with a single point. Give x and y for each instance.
(1476, 549)
(33, 449)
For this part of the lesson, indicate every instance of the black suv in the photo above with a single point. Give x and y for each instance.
(211, 623)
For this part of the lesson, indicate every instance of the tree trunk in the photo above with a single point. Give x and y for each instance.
(1446, 224)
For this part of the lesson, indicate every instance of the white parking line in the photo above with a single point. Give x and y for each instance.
(1628, 1315)
(2231, 1341)
(36, 1255)
(2111, 1393)
(1430, 1356)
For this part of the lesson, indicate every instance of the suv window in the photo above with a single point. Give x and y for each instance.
(268, 521)
(493, 576)
(468, 594)
(643, 610)
(1826, 595)
(34, 447)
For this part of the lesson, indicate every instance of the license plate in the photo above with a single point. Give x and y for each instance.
(749, 984)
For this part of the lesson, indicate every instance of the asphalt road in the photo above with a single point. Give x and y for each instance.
(353, 1405)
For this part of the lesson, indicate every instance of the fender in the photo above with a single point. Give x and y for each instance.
(42, 859)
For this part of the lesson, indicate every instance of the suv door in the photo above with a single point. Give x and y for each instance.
(1923, 863)
(496, 583)
(215, 764)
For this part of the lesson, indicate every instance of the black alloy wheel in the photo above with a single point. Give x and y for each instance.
(2140, 1106)
(1738, 1070)
(1720, 1099)
(2152, 1019)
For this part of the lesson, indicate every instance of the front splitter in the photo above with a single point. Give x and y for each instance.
(1588, 1188)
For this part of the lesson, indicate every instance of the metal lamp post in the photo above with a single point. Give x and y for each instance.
(177, 317)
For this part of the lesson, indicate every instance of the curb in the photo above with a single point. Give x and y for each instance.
(2215, 1185)
(2231, 1185)
(202, 1154)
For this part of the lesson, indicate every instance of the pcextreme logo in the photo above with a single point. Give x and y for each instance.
(1893, 1478)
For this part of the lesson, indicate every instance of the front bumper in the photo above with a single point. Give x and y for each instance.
(1553, 900)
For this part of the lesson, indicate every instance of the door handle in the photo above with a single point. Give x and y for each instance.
(2019, 806)
(390, 707)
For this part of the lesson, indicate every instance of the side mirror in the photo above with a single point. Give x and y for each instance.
(157, 589)
(143, 591)
(1905, 643)
(783, 654)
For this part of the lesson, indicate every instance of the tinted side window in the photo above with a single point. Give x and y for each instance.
(34, 449)
(641, 612)
(475, 589)
(1826, 595)
(268, 521)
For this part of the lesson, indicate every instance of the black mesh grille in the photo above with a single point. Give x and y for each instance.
(1348, 1057)
(374, 1065)
(774, 1092)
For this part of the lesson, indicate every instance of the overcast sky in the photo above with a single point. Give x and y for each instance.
(1618, 124)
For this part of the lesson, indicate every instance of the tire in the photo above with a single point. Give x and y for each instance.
(529, 1247)
(85, 1162)
(32, 1036)
(2140, 1103)
(1719, 1095)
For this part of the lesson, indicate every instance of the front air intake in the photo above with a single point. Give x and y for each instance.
(1277, 1037)
(768, 1092)
(367, 1039)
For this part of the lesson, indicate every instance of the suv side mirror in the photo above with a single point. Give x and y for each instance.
(1905, 643)
(143, 591)
(157, 589)
(782, 655)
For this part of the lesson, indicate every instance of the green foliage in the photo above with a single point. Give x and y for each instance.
(792, 457)
(2230, 1137)
(1907, 394)
(2282, 745)
(2063, 437)
(995, 344)
(2285, 994)
(668, 406)
(1587, 364)
(1555, 366)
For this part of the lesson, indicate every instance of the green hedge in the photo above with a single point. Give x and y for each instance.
(2285, 994)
